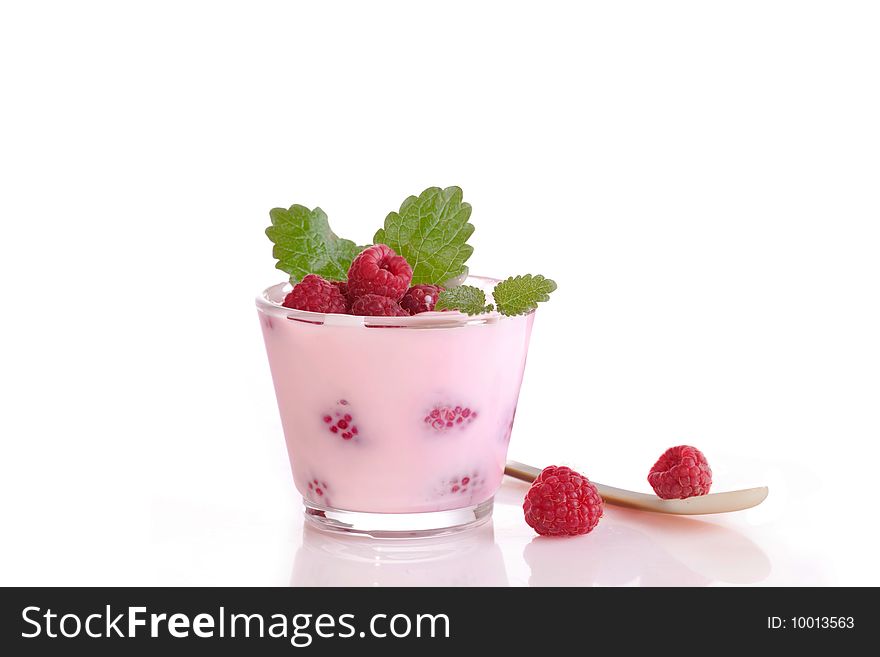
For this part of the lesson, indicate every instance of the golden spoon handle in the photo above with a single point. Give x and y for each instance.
(735, 500)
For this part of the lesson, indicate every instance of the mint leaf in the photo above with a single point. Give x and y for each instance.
(304, 244)
(430, 231)
(465, 298)
(520, 294)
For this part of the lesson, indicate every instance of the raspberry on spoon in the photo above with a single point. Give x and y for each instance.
(726, 502)
(681, 472)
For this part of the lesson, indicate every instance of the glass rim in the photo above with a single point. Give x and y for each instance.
(430, 320)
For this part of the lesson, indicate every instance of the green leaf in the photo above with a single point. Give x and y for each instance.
(304, 244)
(521, 294)
(465, 298)
(431, 231)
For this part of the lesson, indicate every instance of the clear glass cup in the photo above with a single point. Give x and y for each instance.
(395, 426)
(329, 559)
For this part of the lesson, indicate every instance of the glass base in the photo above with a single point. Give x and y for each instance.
(398, 525)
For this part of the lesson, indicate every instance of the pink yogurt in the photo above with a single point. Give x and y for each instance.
(395, 415)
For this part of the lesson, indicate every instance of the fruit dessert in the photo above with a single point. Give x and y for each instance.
(397, 379)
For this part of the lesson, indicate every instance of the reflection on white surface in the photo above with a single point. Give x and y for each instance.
(633, 548)
(471, 558)
(627, 548)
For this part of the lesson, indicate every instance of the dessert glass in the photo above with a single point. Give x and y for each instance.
(395, 426)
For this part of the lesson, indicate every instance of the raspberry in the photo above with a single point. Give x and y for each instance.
(470, 483)
(318, 492)
(340, 422)
(444, 418)
(379, 270)
(317, 295)
(562, 502)
(420, 298)
(342, 286)
(373, 305)
(681, 472)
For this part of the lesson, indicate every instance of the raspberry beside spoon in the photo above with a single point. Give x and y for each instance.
(726, 502)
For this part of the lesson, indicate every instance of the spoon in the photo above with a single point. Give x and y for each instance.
(734, 500)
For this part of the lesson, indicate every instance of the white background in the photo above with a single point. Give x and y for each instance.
(701, 179)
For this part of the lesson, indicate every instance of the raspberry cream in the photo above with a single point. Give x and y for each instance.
(385, 417)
